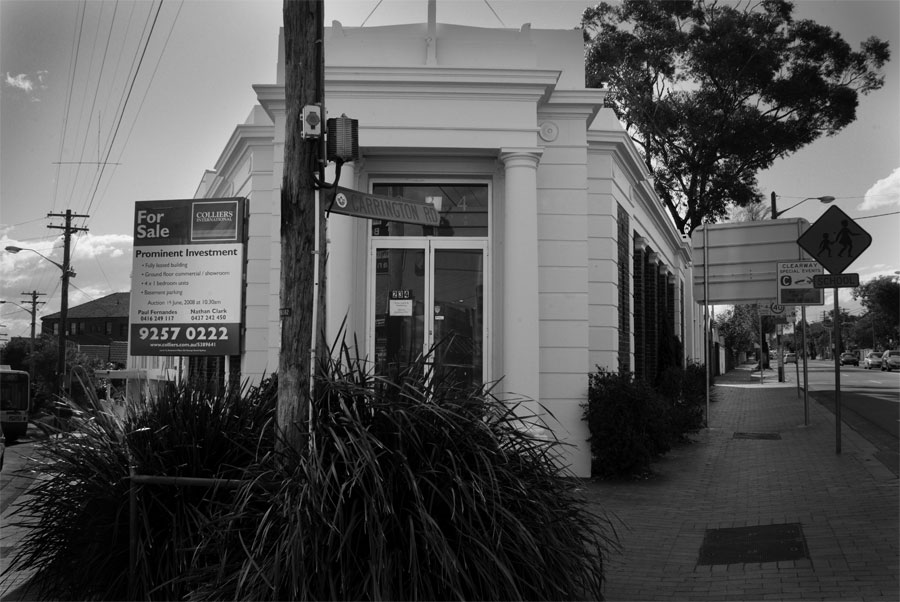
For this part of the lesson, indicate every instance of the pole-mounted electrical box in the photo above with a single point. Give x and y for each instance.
(342, 142)
(312, 121)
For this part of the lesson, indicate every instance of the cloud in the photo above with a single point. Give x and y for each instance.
(29, 85)
(883, 193)
(102, 265)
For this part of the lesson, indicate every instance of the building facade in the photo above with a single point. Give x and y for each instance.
(553, 256)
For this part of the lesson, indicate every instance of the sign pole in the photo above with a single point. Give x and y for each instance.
(706, 317)
(837, 374)
(761, 366)
(805, 369)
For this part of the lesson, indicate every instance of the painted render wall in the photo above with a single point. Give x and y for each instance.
(506, 107)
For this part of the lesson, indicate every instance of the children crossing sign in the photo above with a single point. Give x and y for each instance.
(835, 240)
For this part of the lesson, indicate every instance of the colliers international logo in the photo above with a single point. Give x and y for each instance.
(214, 221)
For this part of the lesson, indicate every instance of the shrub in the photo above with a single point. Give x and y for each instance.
(684, 410)
(414, 489)
(411, 488)
(628, 423)
(78, 511)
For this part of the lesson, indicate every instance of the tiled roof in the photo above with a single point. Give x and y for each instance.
(110, 306)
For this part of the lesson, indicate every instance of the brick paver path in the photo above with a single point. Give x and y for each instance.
(847, 505)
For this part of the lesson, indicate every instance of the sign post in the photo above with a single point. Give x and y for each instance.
(835, 228)
(796, 286)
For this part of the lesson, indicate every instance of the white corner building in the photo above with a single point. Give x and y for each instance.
(554, 257)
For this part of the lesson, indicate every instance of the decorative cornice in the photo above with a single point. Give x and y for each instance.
(622, 148)
(531, 85)
(271, 97)
(640, 244)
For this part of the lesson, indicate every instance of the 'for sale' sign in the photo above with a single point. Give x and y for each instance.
(187, 277)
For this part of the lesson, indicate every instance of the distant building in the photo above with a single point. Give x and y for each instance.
(99, 328)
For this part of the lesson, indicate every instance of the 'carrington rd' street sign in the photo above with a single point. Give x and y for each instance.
(377, 207)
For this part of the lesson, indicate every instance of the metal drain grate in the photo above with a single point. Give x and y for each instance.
(770, 436)
(764, 543)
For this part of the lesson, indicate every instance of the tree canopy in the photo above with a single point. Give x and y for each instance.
(881, 295)
(714, 93)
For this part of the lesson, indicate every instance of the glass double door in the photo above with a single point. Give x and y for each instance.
(429, 301)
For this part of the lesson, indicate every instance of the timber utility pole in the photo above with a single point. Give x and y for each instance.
(34, 303)
(302, 220)
(67, 272)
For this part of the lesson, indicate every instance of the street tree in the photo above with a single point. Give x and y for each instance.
(304, 58)
(881, 295)
(714, 93)
(740, 325)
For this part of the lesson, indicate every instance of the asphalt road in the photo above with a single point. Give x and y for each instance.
(870, 403)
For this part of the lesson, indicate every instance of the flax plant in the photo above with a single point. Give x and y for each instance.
(77, 511)
(412, 488)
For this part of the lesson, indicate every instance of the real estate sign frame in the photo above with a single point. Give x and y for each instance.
(187, 279)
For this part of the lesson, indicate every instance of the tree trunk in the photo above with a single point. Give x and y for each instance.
(304, 60)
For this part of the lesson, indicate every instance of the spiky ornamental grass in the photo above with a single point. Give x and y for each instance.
(411, 489)
(77, 513)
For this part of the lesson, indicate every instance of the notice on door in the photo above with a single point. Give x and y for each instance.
(187, 277)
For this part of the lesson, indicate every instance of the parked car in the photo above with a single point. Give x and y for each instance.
(873, 360)
(790, 357)
(890, 360)
(849, 358)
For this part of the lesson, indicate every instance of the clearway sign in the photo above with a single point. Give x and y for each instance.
(795, 283)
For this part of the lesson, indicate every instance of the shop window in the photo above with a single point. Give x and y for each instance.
(463, 209)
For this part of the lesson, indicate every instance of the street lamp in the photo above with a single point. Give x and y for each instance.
(67, 272)
(776, 212)
(32, 311)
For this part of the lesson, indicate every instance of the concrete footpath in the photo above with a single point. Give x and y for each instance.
(759, 507)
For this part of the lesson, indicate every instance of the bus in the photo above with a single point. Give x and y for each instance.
(15, 402)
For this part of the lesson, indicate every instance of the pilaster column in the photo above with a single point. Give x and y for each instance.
(521, 307)
(343, 246)
(652, 317)
(640, 325)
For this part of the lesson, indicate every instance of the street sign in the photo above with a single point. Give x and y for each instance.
(735, 262)
(836, 280)
(377, 207)
(835, 240)
(771, 309)
(795, 283)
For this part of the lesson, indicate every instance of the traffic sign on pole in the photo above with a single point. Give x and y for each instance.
(835, 240)
(795, 283)
(836, 280)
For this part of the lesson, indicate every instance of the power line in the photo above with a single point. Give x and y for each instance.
(140, 106)
(879, 215)
(124, 105)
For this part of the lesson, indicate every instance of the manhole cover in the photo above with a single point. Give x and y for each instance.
(764, 543)
(772, 436)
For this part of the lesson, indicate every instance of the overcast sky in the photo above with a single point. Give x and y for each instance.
(65, 73)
